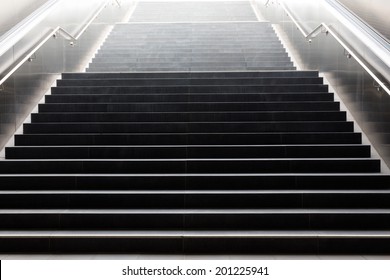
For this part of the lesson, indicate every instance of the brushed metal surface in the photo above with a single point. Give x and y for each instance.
(369, 105)
(23, 90)
(374, 12)
(12, 12)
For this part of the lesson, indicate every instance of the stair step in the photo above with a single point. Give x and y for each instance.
(189, 139)
(222, 65)
(209, 181)
(293, 199)
(222, 47)
(191, 166)
(205, 38)
(189, 50)
(197, 242)
(181, 127)
(191, 107)
(165, 152)
(301, 88)
(200, 233)
(259, 55)
(193, 219)
(124, 68)
(191, 61)
(131, 82)
(193, 75)
(189, 117)
(279, 52)
(127, 98)
(183, 45)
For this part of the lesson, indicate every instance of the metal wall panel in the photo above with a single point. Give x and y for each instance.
(12, 12)
(23, 90)
(369, 105)
(374, 12)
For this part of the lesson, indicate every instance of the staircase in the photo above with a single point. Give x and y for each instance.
(215, 46)
(168, 145)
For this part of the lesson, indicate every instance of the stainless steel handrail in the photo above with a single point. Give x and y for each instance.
(339, 39)
(76, 37)
(305, 34)
(10, 38)
(342, 9)
(57, 30)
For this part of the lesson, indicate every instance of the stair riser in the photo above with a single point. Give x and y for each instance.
(224, 44)
(199, 245)
(189, 139)
(197, 221)
(43, 128)
(202, 39)
(199, 75)
(187, 152)
(188, 82)
(187, 69)
(68, 98)
(188, 59)
(191, 89)
(193, 117)
(194, 52)
(190, 50)
(192, 201)
(228, 65)
(198, 55)
(201, 182)
(191, 107)
(190, 62)
(180, 167)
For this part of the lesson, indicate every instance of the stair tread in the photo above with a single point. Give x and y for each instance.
(189, 86)
(191, 211)
(196, 233)
(216, 175)
(191, 146)
(197, 133)
(192, 75)
(189, 103)
(192, 192)
(186, 160)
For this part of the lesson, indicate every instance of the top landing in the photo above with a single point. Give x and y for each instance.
(193, 11)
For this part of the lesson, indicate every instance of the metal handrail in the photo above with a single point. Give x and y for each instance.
(347, 13)
(57, 30)
(329, 30)
(309, 35)
(76, 37)
(10, 38)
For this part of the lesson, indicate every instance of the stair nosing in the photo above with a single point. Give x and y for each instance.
(194, 234)
(135, 175)
(192, 192)
(188, 159)
(279, 211)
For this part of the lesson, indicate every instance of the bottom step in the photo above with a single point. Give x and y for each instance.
(197, 242)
